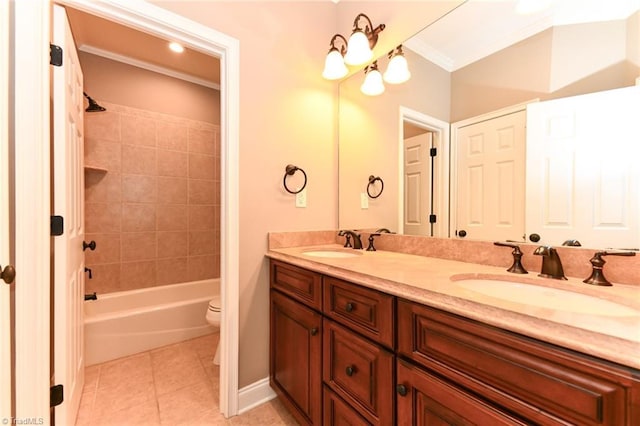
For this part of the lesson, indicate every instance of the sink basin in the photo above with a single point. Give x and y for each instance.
(333, 254)
(545, 297)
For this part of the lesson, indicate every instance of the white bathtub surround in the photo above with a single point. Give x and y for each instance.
(125, 323)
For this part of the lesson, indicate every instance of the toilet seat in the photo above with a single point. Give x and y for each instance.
(214, 304)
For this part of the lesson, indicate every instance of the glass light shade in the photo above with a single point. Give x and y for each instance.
(334, 67)
(358, 50)
(372, 84)
(397, 71)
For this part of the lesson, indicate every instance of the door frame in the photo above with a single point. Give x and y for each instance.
(32, 27)
(440, 130)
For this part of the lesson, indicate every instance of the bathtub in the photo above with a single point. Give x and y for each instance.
(127, 322)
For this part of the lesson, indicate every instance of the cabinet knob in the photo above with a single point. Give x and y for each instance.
(349, 307)
(401, 389)
(350, 370)
(314, 331)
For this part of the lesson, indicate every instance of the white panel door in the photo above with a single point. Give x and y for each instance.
(417, 184)
(583, 180)
(490, 178)
(68, 176)
(5, 306)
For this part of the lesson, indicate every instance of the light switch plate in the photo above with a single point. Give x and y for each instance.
(301, 198)
(364, 201)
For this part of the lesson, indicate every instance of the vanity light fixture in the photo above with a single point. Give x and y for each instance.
(397, 69)
(334, 67)
(372, 85)
(356, 51)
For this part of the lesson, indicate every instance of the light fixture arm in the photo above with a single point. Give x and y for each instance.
(369, 30)
(343, 48)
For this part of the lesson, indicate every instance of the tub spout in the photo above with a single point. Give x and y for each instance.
(92, 296)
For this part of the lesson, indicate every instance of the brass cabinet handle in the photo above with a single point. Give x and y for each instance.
(314, 331)
(350, 370)
(402, 390)
(8, 274)
(349, 307)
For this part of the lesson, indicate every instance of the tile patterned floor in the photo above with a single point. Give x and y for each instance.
(169, 386)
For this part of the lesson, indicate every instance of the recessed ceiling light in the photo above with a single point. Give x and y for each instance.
(176, 47)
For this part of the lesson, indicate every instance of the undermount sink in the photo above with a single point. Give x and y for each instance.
(333, 254)
(546, 297)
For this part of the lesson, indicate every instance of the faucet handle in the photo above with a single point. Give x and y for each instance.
(516, 267)
(597, 262)
(371, 247)
(347, 238)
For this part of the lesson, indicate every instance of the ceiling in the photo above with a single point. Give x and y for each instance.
(479, 28)
(118, 42)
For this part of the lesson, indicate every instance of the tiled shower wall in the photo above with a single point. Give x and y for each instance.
(155, 212)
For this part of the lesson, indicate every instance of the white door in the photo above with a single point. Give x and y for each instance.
(490, 178)
(68, 177)
(417, 184)
(5, 316)
(583, 180)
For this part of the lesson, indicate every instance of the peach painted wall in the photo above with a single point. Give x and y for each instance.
(288, 114)
(154, 212)
(120, 83)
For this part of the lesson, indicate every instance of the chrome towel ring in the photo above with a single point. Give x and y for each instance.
(290, 171)
(372, 180)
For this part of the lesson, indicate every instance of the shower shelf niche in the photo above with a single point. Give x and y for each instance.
(97, 169)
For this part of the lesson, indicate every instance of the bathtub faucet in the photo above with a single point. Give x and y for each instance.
(92, 296)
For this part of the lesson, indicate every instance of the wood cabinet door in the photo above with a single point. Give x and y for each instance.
(295, 367)
(425, 399)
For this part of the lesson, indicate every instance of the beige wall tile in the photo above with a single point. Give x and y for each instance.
(138, 160)
(102, 217)
(202, 267)
(105, 125)
(202, 218)
(201, 242)
(172, 136)
(138, 130)
(202, 166)
(138, 274)
(139, 188)
(172, 244)
(106, 278)
(172, 163)
(138, 246)
(202, 141)
(172, 190)
(102, 153)
(102, 187)
(202, 191)
(172, 217)
(138, 217)
(107, 248)
(172, 270)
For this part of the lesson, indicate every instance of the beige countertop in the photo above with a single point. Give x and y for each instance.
(613, 333)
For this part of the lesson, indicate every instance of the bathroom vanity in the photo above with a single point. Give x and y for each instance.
(383, 338)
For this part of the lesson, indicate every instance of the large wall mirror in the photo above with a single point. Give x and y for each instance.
(485, 60)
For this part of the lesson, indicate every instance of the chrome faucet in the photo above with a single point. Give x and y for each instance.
(357, 242)
(551, 264)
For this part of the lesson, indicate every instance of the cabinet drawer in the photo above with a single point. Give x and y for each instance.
(425, 399)
(543, 383)
(364, 310)
(338, 413)
(359, 371)
(301, 284)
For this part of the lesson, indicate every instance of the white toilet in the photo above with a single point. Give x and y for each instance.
(213, 318)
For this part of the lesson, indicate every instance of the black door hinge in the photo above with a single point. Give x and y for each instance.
(56, 395)
(433, 152)
(432, 218)
(57, 225)
(55, 55)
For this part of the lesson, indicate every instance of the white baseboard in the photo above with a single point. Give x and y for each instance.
(254, 394)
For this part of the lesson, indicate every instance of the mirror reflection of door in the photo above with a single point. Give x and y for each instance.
(491, 178)
(418, 180)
